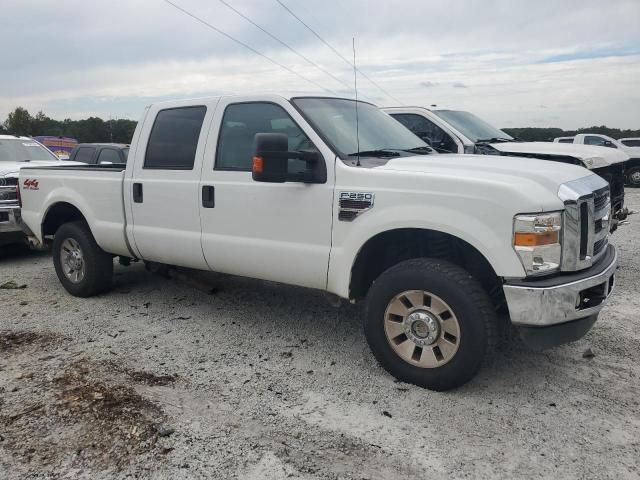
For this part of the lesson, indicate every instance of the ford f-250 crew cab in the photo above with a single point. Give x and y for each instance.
(463, 132)
(631, 166)
(294, 190)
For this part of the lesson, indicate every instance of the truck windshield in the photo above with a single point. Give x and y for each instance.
(378, 133)
(472, 127)
(23, 150)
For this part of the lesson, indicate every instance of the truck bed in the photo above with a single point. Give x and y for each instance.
(95, 190)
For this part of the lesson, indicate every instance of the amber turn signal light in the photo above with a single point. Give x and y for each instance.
(258, 165)
(521, 239)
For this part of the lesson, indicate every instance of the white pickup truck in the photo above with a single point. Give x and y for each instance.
(626, 145)
(440, 248)
(457, 131)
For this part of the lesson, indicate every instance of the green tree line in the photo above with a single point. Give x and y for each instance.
(94, 129)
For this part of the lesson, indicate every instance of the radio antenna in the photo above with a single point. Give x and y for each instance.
(355, 88)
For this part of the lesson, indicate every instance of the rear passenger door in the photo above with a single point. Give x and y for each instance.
(164, 186)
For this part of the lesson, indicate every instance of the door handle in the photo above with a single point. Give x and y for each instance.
(208, 196)
(137, 192)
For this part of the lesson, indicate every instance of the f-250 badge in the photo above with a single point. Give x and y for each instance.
(30, 184)
(353, 204)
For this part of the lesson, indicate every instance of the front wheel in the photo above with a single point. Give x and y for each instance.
(83, 268)
(428, 322)
(632, 176)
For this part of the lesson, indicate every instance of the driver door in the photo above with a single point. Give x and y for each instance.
(272, 231)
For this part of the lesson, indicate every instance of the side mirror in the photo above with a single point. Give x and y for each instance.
(609, 143)
(271, 161)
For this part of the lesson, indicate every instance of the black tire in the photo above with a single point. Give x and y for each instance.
(632, 176)
(467, 300)
(98, 264)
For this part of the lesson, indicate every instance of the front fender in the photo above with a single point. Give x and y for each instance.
(492, 241)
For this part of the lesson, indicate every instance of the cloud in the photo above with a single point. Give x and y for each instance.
(499, 59)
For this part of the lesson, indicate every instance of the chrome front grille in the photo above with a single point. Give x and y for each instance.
(601, 218)
(586, 221)
(598, 247)
(600, 201)
(8, 191)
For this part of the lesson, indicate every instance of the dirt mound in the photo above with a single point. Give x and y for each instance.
(78, 417)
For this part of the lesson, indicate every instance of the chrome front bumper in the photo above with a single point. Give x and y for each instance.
(545, 303)
(10, 219)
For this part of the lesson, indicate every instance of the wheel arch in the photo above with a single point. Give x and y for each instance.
(388, 248)
(632, 162)
(58, 214)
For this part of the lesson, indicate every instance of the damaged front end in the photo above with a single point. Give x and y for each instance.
(614, 174)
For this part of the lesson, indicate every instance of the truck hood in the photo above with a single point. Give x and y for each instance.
(13, 168)
(517, 172)
(592, 156)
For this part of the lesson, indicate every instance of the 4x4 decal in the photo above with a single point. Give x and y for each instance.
(30, 184)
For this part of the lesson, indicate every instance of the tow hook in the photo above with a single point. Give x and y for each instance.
(623, 214)
(620, 218)
(35, 244)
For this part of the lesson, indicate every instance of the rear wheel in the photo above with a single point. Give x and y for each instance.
(428, 322)
(633, 176)
(83, 268)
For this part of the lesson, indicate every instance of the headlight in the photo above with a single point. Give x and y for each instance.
(595, 162)
(537, 241)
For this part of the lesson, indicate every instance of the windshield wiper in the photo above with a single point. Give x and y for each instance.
(495, 140)
(375, 153)
(419, 150)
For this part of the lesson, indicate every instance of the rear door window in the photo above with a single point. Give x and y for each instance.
(174, 138)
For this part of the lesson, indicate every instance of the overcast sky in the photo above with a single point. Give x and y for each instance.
(569, 63)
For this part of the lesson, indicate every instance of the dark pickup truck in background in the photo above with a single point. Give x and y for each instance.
(100, 153)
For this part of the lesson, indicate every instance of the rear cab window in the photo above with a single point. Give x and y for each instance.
(174, 138)
(109, 155)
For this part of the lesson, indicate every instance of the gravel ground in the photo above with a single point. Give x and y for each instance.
(256, 380)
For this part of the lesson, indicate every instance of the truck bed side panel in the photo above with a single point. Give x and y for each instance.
(95, 192)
